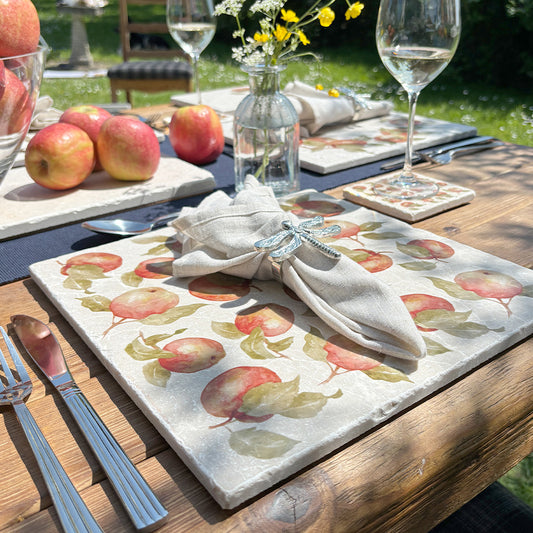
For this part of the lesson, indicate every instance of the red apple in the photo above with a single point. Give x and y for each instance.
(273, 319)
(416, 303)
(489, 284)
(435, 249)
(20, 28)
(103, 260)
(60, 156)
(90, 119)
(196, 135)
(128, 148)
(192, 354)
(155, 267)
(15, 105)
(219, 287)
(312, 208)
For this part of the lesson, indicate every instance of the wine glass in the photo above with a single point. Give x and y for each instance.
(192, 25)
(416, 39)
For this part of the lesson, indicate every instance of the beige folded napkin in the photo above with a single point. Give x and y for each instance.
(44, 114)
(221, 233)
(317, 109)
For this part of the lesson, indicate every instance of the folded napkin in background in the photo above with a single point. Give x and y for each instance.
(317, 109)
(219, 235)
(44, 114)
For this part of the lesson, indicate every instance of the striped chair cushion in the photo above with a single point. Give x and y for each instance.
(149, 70)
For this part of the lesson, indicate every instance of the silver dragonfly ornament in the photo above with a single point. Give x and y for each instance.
(284, 243)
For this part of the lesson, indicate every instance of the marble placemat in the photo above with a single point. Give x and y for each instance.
(245, 383)
(448, 196)
(26, 207)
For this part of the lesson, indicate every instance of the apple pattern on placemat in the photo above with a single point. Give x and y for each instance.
(254, 394)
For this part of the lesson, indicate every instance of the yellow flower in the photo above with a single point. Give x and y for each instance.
(334, 93)
(303, 38)
(354, 10)
(261, 37)
(319, 87)
(281, 33)
(289, 16)
(326, 16)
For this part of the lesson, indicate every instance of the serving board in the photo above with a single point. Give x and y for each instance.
(26, 207)
(308, 392)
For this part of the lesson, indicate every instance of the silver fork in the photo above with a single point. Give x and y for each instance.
(73, 513)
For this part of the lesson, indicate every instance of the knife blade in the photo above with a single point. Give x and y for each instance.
(472, 141)
(143, 507)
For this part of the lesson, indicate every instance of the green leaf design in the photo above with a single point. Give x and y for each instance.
(418, 252)
(470, 330)
(155, 374)
(95, 303)
(451, 288)
(86, 272)
(383, 236)
(139, 351)
(260, 443)
(314, 345)
(131, 279)
(77, 284)
(281, 345)
(152, 340)
(527, 290)
(171, 315)
(370, 226)
(386, 373)
(441, 318)
(149, 239)
(308, 404)
(160, 249)
(434, 347)
(254, 345)
(418, 265)
(228, 330)
(270, 398)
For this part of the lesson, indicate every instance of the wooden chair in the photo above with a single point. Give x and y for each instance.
(156, 69)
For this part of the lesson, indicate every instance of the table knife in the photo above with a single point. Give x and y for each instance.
(472, 141)
(143, 507)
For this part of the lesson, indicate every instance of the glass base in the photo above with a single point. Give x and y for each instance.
(405, 189)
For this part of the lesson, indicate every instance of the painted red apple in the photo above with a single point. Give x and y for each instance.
(349, 230)
(223, 396)
(416, 303)
(128, 149)
(219, 287)
(435, 249)
(90, 119)
(371, 261)
(155, 268)
(192, 354)
(15, 105)
(60, 156)
(105, 261)
(195, 133)
(141, 303)
(273, 319)
(20, 28)
(312, 208)
(344, 354)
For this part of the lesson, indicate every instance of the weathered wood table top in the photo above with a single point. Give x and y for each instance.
(405, 475)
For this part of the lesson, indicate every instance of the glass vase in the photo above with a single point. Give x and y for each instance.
(266, 134)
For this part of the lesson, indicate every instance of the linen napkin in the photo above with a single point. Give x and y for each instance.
(44, 113)
(220, 234)
(317, 109)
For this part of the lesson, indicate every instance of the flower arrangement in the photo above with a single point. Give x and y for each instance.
(280, 30)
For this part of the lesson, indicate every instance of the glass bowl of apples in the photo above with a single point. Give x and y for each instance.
(20, 82)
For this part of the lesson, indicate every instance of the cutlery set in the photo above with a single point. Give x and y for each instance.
(142, 506)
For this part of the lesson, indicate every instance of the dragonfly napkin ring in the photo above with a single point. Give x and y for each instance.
(284, 243)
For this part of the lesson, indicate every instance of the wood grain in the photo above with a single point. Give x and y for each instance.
(405, 475)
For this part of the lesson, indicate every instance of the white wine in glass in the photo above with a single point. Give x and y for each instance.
(192, 25)
(416, 39)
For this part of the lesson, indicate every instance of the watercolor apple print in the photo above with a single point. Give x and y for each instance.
(368, 259)
(82, 269)
(153, 268)
(219, 287)
(427, 251)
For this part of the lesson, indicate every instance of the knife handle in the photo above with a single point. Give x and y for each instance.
(144, 509)
(71, 509)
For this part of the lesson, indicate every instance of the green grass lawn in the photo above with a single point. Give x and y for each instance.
(503, 113)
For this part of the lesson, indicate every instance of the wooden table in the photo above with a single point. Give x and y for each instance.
(405, 475)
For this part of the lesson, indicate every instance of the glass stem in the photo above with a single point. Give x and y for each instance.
(195, 74)
(407, 172)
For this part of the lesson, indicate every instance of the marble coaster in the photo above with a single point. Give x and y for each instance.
(26, 207)
(246, 384)
(448, 196)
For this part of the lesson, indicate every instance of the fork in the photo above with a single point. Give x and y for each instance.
(73, 513)
(447, 157)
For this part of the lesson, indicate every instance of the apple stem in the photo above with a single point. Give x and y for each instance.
(222, 423)
(505, 305)
(113, 324)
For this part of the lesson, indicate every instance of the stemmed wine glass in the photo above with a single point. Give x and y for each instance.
(192, 25)
(416, 39)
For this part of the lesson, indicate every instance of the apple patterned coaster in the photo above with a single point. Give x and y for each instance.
(449, 196)
(248, 385)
